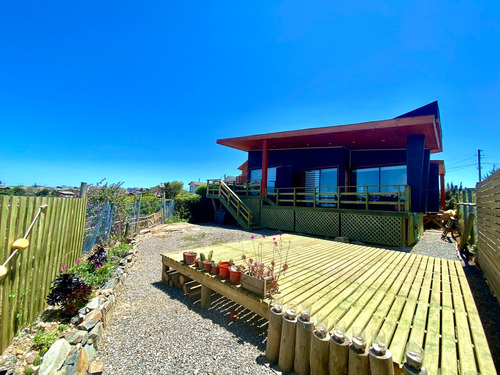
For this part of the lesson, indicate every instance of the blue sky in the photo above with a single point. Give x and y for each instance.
(139, 92)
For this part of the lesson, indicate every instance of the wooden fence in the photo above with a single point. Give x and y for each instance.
(55, 239)
(488, 224)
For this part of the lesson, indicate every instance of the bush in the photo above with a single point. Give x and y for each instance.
(195, 208)
(69, 292)
(93, 276)
(120, 251)
(43, 341)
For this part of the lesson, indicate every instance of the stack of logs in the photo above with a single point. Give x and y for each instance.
(174, 278)
(297, 347)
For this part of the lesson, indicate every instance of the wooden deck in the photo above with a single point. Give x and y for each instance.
(407, 296)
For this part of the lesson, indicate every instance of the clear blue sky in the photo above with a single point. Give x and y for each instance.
(139, 92)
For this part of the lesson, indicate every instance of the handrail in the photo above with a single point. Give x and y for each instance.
(334, 196)
(231, 200)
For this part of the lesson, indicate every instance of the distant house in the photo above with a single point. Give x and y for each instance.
(4, 187)
(193, 185)
(66, 194)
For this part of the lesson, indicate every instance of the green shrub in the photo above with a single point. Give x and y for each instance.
(195, 208)
(38, 360)
(93, 276)
(120, 251)
(43, 340)
(29, 371)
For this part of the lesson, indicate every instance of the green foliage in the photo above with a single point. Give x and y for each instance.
(172, 189)
(195, 208)
(113, 193)
(93, 276)
(18, 190)
(29, 371)
(120, 251)
(69, 292)
(42, 193)
(62, 327)
(38, 360)
(201, 190)
(43, 340)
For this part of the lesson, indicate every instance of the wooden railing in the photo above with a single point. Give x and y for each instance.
(219, 189)
(386, 197)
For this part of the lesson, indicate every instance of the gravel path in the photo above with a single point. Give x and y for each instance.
(157, 330)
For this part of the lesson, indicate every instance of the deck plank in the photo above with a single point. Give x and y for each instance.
(407, 296)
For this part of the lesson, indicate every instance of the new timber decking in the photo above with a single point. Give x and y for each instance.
(407, 296)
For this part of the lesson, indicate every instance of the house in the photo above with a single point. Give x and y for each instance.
(375, 168)
(193, 185)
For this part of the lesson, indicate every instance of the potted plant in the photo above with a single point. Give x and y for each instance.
(189, 257)
(200, 261)
(207, 264)
(235, 274)
(215, 268)
(224, 269)
(260, 278)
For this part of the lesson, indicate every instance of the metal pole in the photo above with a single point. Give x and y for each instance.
(479, 163)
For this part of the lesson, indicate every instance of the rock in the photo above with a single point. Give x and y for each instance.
(144, 231)
(89, 348)
(67, 370)
(123, 278)
(123, 262)
(96, 334)
(90, 320)
(76, 336)
(111, 284)
(119, 271)
(55, 357)
(129, 258)
(93, 304)
(96, 368)
(75, 320)
(82, 362)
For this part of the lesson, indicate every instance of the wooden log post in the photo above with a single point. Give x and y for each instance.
(287, 344)
(206, 297)
(164, 276)
(339, 354)
(187, 287)
(184, 279)
(274, 335)
(303, 339)
(319, 353)
(359, 363)
(381, 362)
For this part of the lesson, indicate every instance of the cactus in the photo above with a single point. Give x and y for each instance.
(230, 262)
(202, 257)
(210, 255)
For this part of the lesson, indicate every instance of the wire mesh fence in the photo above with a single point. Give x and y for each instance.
(102, 221)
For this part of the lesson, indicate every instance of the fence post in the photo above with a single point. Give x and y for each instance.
(163, 209)
(83, 190)
(138, 214)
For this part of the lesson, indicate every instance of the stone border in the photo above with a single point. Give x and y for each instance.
(74, 353)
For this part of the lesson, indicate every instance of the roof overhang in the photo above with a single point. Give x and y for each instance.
(383, 135)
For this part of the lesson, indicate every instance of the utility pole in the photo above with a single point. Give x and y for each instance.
(479, 163)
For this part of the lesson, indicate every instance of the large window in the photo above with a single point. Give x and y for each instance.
(256, 176)
(325, 181)
(374, 177)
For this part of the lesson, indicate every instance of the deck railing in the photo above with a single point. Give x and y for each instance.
(384, 197)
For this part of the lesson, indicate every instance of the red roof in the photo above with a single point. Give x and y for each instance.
(385, 134)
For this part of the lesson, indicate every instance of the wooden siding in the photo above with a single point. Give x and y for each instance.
(488, 228)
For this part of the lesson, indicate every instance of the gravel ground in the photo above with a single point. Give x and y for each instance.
(157, 330)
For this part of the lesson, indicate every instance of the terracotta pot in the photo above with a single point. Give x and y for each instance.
(215, 269)
(224, 270)
(207, 266)
(189, 257)
(234, 277)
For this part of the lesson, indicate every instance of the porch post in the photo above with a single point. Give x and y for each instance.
(263, 182)
(415, 156)
(442, 190)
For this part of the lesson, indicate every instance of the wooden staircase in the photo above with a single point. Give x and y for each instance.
(218, 189)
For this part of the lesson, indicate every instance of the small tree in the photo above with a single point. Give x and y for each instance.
(172, 189)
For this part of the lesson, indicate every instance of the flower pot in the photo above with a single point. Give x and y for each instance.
(262, 287)
(224, 270)
(215, 269)
(189, 257)
(207, 266)
(234, 277)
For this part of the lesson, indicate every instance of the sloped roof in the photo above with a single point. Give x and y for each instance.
(385, 134)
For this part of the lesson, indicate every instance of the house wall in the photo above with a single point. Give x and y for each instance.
(422, 177)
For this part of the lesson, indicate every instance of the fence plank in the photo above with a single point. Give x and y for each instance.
(55, 238)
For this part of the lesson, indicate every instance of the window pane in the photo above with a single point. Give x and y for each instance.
(366, 177)
(393, 175)
(255, 175)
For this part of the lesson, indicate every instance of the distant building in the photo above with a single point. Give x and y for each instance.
(4, 187)
(193, 185)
